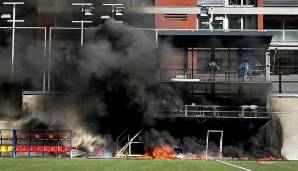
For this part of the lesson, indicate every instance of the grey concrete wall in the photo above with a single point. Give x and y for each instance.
(289, 122)
(289, 83)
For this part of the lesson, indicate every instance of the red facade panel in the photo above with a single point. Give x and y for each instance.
(190, 3)
(260, 16)
(189, 22)
(162, 23)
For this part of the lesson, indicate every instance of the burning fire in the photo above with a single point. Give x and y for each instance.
(243, 158)
(203, 157)
(164, 152)
(269, 158)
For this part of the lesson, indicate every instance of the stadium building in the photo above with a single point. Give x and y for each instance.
(231, 62)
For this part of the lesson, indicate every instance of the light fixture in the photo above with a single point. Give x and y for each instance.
(6, 16)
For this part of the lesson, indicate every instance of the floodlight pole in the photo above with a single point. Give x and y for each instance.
(113, 7)
(82, 22)
(13, 33)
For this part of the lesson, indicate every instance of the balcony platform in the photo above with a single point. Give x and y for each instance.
(216, 82)
(219, 112)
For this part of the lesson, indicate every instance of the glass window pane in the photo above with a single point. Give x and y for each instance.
(280, 3)
(291, 22)
(250, 22)
(210, 2)
(204, 22)
(273, 22)
(234, 2)
(249, 2)
(234, 23)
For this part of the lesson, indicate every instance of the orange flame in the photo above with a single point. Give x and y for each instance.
(243, 158)
(269, 158)
(163, 152)
(203, 157)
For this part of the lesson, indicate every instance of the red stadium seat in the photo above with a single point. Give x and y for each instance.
(39, 149)
(19, 148)
(54, 149)
(67, 149)
(60, 149)
(25, 149)
(47, 149)
(32, 149)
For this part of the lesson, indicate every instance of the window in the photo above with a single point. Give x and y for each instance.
(273, 22)
(234, 2)
(242, 2)
(182, 17)
(281, 22)
(234, 22)
(249, 2)
(250, 22)
(211, 2)
(242, 22)
(284, 62)
(204, 22)
(280, 3)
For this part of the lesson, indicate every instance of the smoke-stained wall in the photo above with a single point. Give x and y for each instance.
(288, 115)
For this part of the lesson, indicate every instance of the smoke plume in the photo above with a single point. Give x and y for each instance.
(114, 77)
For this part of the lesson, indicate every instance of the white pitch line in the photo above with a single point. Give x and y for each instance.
(233, 165)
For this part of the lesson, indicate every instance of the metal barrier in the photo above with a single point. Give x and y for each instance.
(220, 112)
(207, 76)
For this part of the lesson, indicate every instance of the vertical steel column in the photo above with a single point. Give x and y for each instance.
(129, 148)
(43, 140)
(207, 141)
(44, 60)
(192, 63)
(13, 42)
(29, 154)
(1, 142)
(82, 33)
(279, 83)
(267, 65)
(192, 85)
(49, 62)
(57, 144)
(14, 143)
(70, 143)
(220, 144)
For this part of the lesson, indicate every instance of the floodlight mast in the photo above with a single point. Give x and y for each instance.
(113, 7)
(13, 21)
(82, 22)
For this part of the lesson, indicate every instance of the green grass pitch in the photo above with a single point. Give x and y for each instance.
(34, 164)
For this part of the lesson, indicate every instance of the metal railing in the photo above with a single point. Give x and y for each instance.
(208, 76)
(220, 112)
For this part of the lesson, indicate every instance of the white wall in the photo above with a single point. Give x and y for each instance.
(289, 122)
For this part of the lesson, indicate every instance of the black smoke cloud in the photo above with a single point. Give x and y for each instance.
(114, 76)
(120, 64)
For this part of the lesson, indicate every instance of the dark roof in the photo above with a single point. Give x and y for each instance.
(216, 39)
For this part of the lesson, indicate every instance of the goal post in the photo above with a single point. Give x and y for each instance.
(220, 142)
